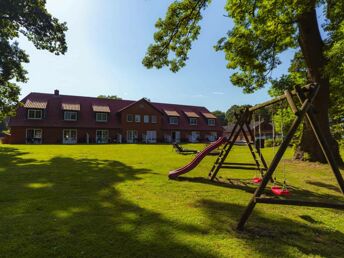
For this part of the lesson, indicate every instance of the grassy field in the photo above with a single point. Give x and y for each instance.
(116, 201)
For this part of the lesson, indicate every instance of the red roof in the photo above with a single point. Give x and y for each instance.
(86, 117)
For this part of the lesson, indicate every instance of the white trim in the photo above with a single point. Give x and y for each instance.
(173, 120)
(34, 110)
(34, 129)
(70, 112)
(70, 142)
(106, 140)
(101, 120)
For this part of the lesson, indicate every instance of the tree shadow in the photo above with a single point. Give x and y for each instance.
(324, 185)
(249, 187)
(274, 237)
(69, 207)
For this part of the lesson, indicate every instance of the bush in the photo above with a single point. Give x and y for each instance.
(271, 143)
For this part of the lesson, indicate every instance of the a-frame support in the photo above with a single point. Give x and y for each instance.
(243, 122)
(307, 111)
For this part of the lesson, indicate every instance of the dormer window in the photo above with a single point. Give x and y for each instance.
(193, 121)
(101, 117)
(211, 122)
(173, 120)
(70, 115)
(35, 114)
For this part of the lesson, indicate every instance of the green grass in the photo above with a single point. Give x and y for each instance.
(116, 201)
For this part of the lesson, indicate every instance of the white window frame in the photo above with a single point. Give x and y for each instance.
(103, 139)
(131, 118)
(35, 111)
(34, 132)
(154, 119)
(134, 134)
(211, 122)
(99, 115)
(66, 118)
(76, 136)
(193, 119)
(173, 120)
(146, 119)
(137, 118)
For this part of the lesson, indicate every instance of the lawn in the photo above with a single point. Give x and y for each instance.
(116, 201)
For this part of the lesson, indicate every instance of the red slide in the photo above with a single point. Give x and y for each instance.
(180, 171)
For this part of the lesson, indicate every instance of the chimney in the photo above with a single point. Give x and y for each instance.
(56, 92)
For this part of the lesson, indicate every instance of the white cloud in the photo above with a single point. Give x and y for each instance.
(218, 93)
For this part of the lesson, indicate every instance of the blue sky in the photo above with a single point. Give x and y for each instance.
(106, 43)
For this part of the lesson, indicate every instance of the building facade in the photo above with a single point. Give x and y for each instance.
(54, 118)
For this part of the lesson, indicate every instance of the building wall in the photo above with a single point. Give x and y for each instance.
(51, 135)
(141, 108)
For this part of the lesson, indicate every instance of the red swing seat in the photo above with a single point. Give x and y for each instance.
(256, 180)
(277, 190)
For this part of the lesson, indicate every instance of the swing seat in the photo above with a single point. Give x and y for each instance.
(256, 180)
(277, 190)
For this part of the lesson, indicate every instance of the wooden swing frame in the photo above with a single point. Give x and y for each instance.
(305, 96)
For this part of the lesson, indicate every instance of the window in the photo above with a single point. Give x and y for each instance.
(130, 118)
(132, 136)
(193, 121)
(173, 120)
(146, 119)
(137, 118)
(34, 136)
(70, 115)
(154, 119)
(70, 136)
(101, 117)
(34, 114)
(102, 136)
(211, 122)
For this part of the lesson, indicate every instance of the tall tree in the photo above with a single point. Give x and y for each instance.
(262, 30)
(221, 116)
(28, 18)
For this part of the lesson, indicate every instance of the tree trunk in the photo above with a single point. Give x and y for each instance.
(312, 48)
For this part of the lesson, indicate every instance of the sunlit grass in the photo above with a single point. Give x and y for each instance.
(116, 201)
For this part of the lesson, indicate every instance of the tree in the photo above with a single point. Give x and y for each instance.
(262, 30)
(221, 116)
(108, 97)
(27, 18)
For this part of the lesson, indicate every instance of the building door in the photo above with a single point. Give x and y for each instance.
(176, 136)
(102, 136)
(151, 137)
(70, 136)
(131, 136)
(194, 136)
(34, 136)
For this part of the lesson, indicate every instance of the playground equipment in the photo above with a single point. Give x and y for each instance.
(305, 96)
(181, 150)
(175, 173)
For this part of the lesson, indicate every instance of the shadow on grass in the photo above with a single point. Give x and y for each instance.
(274, 237)
(69, 207)
(324, 185)
(249, 187)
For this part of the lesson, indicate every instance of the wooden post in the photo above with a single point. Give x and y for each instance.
(296, 123)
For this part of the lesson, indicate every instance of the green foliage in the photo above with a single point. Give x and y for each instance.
(27, 18)
(235, 109)
(175, 34)
(108, 97)
(271, 142)
(221, 116)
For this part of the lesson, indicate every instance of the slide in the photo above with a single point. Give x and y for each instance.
(180, 171)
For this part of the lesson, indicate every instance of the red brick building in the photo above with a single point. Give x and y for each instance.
(55, 118)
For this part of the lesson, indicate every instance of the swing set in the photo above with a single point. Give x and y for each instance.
(305, 109)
